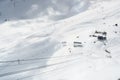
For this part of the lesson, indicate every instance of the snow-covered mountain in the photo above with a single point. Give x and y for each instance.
(59, 40)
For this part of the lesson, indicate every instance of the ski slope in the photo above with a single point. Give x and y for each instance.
(58, 44)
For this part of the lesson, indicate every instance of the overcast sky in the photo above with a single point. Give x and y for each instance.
(53, 9)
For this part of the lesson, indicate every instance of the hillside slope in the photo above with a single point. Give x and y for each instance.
(80, 47)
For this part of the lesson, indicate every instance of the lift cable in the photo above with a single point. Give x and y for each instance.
(34, 59)
(35, 68)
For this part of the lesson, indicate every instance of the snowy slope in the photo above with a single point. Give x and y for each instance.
(42, 49)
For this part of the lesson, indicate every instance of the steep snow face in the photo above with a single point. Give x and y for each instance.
(82, 47)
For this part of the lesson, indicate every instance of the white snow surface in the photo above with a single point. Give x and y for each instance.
(37, 39)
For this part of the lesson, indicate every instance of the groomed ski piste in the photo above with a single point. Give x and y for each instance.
(60, 40)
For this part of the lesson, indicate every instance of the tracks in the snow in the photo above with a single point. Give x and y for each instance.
(39, 67)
